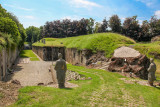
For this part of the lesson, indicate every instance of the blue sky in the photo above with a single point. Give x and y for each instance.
(37, 12)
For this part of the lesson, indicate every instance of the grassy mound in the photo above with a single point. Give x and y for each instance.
(105, 89)
(149, 49)
(107, 42)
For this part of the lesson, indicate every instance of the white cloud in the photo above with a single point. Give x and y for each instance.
(29, 17)
(123, 18)
(18, 7)
(157, 13)
(83, 3)
(149, 3)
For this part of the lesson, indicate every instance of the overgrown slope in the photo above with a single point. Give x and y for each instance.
(107, 42)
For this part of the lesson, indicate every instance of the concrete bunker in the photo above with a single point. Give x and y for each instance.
(136, 62)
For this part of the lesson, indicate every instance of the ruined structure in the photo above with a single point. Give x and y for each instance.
(134, 61)
(128, 60)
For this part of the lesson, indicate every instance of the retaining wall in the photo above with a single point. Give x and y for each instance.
(48, 53)
(78, 57)
(7, 59)
(71, 55)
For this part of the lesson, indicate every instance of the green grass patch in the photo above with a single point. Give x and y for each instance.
(28, 54)
(104, 89)
(34, 59)
(107, 42)
(26, 42)
(1, 95)
(148, 48)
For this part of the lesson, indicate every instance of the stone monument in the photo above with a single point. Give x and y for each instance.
(151, 72)
(60, 68)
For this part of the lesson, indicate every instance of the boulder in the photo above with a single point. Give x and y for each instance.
(129, 60)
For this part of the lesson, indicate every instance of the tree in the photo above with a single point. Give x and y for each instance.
(97, 26)
(90, 25)
(145, 34)
(104, 26)
(10, 27)
(131, 27)
(115, 23)
(65, 28)
(40, 33)
(3, 12)
(32, 34)
(19, 25)
(155, 26)
(10, 24)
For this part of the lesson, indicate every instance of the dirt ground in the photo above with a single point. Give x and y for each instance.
(8, 93)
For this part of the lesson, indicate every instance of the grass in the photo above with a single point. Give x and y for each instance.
(107, 42)
(26, 42)
(149, 49)
(104, 89)
(1, 95)
(28, 54)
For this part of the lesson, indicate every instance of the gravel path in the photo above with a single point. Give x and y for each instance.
(33, 73)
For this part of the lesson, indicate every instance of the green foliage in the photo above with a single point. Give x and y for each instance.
(9, 24)
(103, 27)
(32, 34)
(145, 34)
(97, 26)
(66, 28)
(131, 27)
(28, 54)
(3, 12)
(90, 25)
(155, 26)
(105, 88)
(10, 27)
(1, 95)
(115, 23)
(148, 48)
(6, 41)
(107, 42)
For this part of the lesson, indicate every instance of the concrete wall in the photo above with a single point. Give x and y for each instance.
(71, 55)
(7, 58)
(77, 57)
(49, 53)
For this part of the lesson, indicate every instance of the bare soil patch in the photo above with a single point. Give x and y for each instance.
(8, 93)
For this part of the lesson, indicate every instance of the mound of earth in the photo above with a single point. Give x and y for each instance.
(128, 60)
(8, 93)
